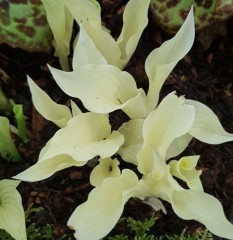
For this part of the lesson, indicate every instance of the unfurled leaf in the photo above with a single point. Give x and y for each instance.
(56, 113)
(162, 60)
(204, 208)
(178, 145)
(12, 218)
(172, 119)
(96, 217)
(86, 136)
(134, 22)
(44, 169)
(101, 88)
(207, 127)
(61, 24)
(86, 52)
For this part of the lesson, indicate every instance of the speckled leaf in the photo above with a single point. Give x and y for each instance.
(23, 24)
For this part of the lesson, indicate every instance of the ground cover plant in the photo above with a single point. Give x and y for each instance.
(120, 139)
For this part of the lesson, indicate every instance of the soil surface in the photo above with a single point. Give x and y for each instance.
(203, 75)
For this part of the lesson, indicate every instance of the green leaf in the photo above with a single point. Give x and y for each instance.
(21, 125)
(7, 146)
(24, 25)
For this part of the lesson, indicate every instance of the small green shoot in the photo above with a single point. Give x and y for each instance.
(21, 125)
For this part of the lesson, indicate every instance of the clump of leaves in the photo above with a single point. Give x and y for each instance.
(141, 229)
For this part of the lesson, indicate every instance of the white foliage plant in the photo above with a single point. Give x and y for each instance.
(155, 134)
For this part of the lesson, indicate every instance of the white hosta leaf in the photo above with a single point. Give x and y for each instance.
(101, 88)
(85, 136)
(162, 60)
(204, 208)
(106, 168)
(137, 107)
(12, 218)
(132, 131)
(56, 113)
(178, 146)
(75, 109)
(95, 218)
(185, 169)
(88, 14)
(134, 22)
(145, 160)
(61, 24)
(106, 44)
(172, 119)
(84, 11)
(207, 127)
(85, 51)
(44, 169)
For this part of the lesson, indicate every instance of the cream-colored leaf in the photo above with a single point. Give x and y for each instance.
(162, 60)
(204, 208)
(145, 159)
(44, 169)
(85, 136)
(85, 51)
(56, 113)
(106, 168)
(61, 24)
(178, 146)
(207, 127)
(132, 131)
(172, 119)
(84, 11)
(101, 88)
(185, 169)
(134, 22)
(137, 107)
(88, 14)
(12, 218)
(95, 218)
(75, 109)
(159, 182)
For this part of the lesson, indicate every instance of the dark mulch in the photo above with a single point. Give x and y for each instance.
(206, 76)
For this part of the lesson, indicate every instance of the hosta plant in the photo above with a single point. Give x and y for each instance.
(151, 139)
